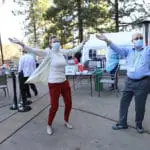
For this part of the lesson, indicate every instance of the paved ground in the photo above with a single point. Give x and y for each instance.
(92, 118)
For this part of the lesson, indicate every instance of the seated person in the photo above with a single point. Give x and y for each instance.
(76, 61)
(112, 61)
(77, 57)
(86, 65)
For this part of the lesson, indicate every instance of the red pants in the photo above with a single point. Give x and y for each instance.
(55, 89)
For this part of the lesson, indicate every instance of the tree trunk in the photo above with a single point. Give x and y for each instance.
(35, 35)
(34, 25)
(1, 48)
(116, 16)
(80, 22)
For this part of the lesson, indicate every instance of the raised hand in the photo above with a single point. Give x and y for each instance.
(16, 41)
(101, 37)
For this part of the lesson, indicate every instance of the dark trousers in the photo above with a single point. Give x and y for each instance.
(23, 88)
(55, 90)
(27, 88)
(33, 87)
(138, 89)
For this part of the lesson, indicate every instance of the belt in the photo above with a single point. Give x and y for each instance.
(143, 78)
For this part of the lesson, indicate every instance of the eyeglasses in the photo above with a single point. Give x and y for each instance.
(138, 38)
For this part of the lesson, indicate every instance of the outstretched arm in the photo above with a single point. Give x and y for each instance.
(27, 48)
(75, 49)
(121, 51)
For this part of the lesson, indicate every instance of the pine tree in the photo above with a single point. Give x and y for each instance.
(81, 15)
(130, 12)
(34, 24)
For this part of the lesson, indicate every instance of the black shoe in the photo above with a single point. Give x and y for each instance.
(139, 128)
(119, 127)
(24, 109)
(28, 102)
(111, 88)
(13, 107)
(28, 96)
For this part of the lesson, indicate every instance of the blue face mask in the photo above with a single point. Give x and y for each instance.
(138, 43)
(56, 46)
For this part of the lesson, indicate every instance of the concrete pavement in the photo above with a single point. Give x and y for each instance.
(92, 118)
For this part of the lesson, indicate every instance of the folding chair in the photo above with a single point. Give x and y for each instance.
(3, 84)
(108, 79)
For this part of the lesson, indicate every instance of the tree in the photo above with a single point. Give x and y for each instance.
(116, 16)
(1, 49)
(3, 1)
(80, 19)
(83, 14)
(130, 12)
(34, 23)
(1, 46)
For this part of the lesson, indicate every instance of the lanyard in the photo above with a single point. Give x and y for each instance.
(136, 57)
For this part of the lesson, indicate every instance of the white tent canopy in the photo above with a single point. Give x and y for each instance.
(94, 43)
(119, 38)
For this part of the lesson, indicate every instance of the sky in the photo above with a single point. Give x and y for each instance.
(10, 25)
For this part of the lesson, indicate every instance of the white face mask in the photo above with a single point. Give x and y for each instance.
(56, 46)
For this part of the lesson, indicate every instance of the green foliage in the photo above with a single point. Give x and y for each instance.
(34, 23)
(131, 12)
(63, 18)
(92, 14)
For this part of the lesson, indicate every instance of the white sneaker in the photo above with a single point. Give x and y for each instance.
(49, 130)
(68, 125)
